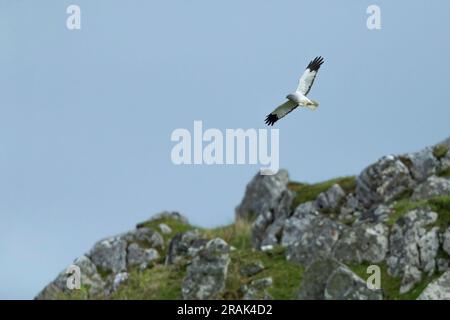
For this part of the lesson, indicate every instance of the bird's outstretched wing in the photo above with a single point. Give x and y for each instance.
(307, 79)
(280, 112)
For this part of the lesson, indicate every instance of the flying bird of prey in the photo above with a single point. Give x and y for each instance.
(298, 98)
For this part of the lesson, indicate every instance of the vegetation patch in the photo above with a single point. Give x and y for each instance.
(440, 205)
(158, 283)
(440, 151)
(309, 192)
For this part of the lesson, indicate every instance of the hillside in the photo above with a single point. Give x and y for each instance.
(291, 240)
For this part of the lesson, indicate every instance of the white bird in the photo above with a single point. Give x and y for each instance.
(298, 98)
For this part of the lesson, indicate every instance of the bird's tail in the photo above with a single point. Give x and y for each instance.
(313, 105)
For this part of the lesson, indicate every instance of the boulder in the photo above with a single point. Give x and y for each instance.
(262, 194)
(446, 241)
(110, 254)
(432, 187)
(268, 226)
(90, 278)
(383, 181)
(257, 289)
(141, 257)
(146, 236)
(439, 289)
(362, 243)
(184, 246)
(207, 272)
(331, 200)
(344, 284)
(421, 164)
(314, 279)
(310, 235)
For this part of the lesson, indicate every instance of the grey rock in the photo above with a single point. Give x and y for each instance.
(262, 194)
(438, 289)
(206, 275)
(165, 229)
(432, 187)
(146, 236)
(110, 254)
(256, 290)
(299, 222)
(446, 241)
(383, 181)
(421, 164)
(344, 284)
(362, 243)
(184, 246)
(141, 257)
(268, 226)
(251, 269)
(413, 247)
(315, 278)
(309, 236)
(119, 279)
(331, 199)
(89, 278)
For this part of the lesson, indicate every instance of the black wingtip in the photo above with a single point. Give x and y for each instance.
(315, 64)
(271, 119)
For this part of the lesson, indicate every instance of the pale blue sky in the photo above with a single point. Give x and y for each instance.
(86, 116)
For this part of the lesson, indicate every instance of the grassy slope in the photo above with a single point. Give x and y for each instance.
(162, 282)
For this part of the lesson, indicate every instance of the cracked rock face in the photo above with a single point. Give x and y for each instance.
(207, 272)
(413, 247)
(268, 226)
(383, 181)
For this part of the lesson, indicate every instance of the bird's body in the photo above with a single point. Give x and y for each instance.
(298, 98)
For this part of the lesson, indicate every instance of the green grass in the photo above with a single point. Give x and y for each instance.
(440, 151)
(440, 205)
(391, 285)
(309, 192)
(158, 283)
(237, 234)
(286, 276)
(444, 173)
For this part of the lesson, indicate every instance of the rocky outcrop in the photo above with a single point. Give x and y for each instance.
(383, 181)
(207, 272)
(413, 247)
(105, 267)
(396, 218)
